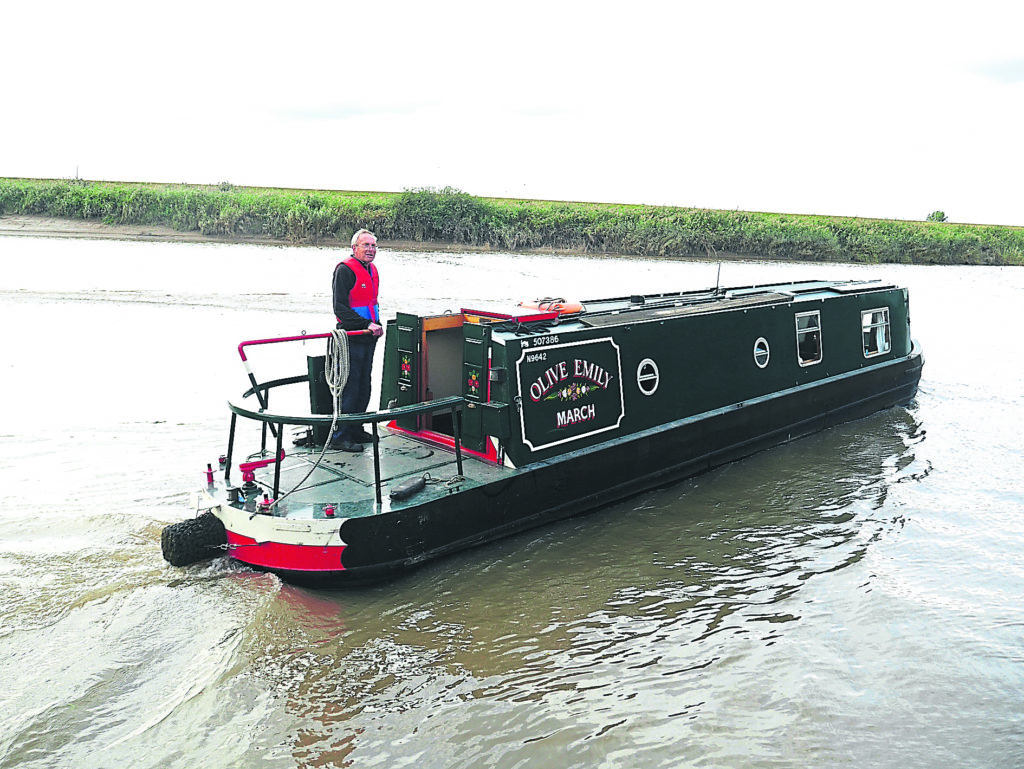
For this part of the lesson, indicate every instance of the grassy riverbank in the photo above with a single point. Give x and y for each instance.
(453, 217)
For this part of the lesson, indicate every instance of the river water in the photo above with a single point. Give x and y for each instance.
(850, 599)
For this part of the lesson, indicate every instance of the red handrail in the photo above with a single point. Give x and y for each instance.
(243, 345)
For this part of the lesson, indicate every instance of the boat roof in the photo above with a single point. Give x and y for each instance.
(598, 313)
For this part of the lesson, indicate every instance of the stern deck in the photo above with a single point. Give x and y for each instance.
(345, 481)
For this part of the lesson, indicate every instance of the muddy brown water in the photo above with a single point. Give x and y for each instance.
(848, 599)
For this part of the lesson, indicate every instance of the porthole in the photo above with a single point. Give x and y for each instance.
(647, 376)
(761, 352)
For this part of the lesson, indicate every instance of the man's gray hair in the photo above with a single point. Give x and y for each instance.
(355, 238)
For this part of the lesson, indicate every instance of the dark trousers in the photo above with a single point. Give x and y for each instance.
(356, 396)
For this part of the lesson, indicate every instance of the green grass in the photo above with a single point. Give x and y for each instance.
(449, 216)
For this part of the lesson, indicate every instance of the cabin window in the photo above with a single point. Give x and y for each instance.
(875, 327)
(761, 352)
(808, 338)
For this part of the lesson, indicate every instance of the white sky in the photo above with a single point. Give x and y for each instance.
(887, 109)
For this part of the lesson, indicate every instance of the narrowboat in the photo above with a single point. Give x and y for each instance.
(493, 421)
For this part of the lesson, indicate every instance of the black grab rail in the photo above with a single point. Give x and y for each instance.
(453, 403)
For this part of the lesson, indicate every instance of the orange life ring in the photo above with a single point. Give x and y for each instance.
(548, 304)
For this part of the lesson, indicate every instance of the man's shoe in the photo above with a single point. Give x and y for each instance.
(364, 437)
(352, 446)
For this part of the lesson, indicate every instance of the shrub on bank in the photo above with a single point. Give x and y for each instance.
(452, 216)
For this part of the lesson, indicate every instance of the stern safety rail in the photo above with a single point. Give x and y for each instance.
(275, 340)
(454, 404)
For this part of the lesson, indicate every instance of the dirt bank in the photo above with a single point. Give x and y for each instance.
(54, 227)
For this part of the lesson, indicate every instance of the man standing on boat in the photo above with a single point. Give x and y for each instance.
(355, 287)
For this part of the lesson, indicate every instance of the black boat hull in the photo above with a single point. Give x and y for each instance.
(378, 547)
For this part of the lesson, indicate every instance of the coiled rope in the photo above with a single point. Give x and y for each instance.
(336, 370)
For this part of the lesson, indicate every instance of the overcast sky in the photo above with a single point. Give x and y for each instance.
(884, 109)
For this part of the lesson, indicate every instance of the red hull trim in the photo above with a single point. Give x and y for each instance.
(448, 441)
(283, 557)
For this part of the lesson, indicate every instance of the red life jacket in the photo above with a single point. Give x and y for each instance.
(363, 296)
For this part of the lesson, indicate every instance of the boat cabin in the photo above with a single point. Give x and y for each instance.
(551, 377)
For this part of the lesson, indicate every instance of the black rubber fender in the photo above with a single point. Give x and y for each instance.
(193, 540)
(408, 487)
